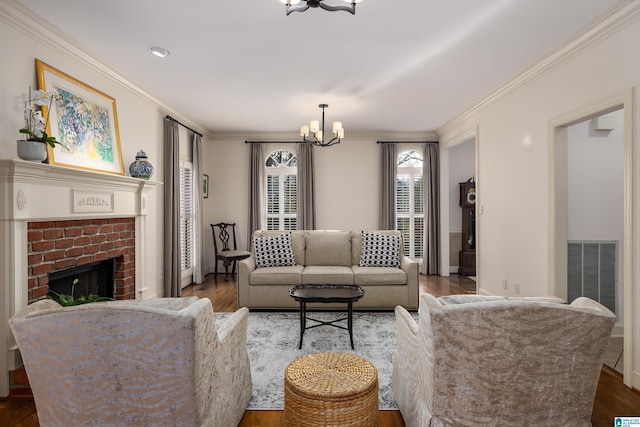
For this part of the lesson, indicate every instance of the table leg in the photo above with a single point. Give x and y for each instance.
(303, 323)
(350, 323)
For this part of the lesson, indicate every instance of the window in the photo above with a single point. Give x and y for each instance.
(282, 190)
(187, 247)
(410, 203)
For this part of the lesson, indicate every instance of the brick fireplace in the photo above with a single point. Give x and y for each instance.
(58, 245)
(53, 218)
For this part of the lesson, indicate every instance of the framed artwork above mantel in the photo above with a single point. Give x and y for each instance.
(83, 120)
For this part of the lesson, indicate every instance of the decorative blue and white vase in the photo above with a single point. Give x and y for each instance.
(141, 167)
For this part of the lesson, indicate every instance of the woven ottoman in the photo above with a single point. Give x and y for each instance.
(330, 389)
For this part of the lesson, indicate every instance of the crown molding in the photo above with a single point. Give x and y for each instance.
(611, 21)
(38, 29)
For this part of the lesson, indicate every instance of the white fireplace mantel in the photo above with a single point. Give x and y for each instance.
(37, 191)
(31, 191)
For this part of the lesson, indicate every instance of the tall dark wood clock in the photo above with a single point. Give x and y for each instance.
(467, 256)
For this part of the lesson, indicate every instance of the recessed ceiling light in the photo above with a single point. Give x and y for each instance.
(159, 51)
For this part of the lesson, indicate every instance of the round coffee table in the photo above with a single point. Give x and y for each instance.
(337, 389)
(347, 294)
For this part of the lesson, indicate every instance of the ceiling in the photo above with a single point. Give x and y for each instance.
(245, 66)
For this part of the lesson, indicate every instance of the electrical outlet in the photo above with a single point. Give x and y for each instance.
(517, 288)
(504, 283)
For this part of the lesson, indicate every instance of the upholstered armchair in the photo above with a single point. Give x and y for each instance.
(123, 363)
(495, 361)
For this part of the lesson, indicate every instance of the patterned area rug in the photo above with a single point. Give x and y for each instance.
(272, 342)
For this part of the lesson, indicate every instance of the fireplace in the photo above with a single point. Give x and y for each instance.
(55, 246)
(54, 218)
(90, 279)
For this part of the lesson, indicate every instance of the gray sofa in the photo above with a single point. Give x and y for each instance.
(328, 257)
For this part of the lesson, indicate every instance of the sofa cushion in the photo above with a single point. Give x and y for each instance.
(378, 276)
(379, 250)
(273, 251)
(328, 248)
(297, 241)
(327, 275)
(276, 276)
(356, 243)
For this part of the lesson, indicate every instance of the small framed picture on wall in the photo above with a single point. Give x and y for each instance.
(205, 186)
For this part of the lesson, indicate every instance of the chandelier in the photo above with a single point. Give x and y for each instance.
(318, 134)
(294, 6)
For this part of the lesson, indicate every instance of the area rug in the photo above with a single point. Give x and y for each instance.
(272, 343)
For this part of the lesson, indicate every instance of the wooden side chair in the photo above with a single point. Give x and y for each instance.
(222, 233)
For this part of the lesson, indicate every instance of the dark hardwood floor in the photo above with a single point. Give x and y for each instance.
(613, 398)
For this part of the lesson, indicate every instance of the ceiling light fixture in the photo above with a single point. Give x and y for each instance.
(294, 6)
(159, 51)
(318, 135)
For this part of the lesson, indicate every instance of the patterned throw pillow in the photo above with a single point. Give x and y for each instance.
(273, 251)
(379, 250)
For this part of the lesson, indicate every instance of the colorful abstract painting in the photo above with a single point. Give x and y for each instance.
(83, 121)
(83, 127)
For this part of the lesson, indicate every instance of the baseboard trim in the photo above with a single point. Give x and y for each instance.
(618, 330)
(635, 381)
(14, 359)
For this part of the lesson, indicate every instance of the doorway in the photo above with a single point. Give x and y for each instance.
(458, 163)
(580, 231)
(462, 169)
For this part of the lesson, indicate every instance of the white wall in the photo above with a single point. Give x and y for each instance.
(514, 162)
(595, 170)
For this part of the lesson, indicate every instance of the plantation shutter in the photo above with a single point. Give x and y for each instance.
(186, 220)
(273, 202)
(418, 217)
(290, 202)
(403, 210)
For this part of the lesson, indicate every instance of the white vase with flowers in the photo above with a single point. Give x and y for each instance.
(34, 145)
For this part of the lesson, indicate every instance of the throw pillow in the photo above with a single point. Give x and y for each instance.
(273, 251)
(379, 250)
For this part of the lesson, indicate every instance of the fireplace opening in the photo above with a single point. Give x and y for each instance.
(96, 278)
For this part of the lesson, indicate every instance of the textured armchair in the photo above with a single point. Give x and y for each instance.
(495, 361)
(122, 363)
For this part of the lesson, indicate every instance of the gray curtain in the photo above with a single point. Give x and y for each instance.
(431, 179)
(198, 272)
(389, 170)
(306, 188)
(172, 272)
(256, 189)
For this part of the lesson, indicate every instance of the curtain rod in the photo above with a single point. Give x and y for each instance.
(378, 142)
(407, 142)
(183, 125)
(276, 142)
